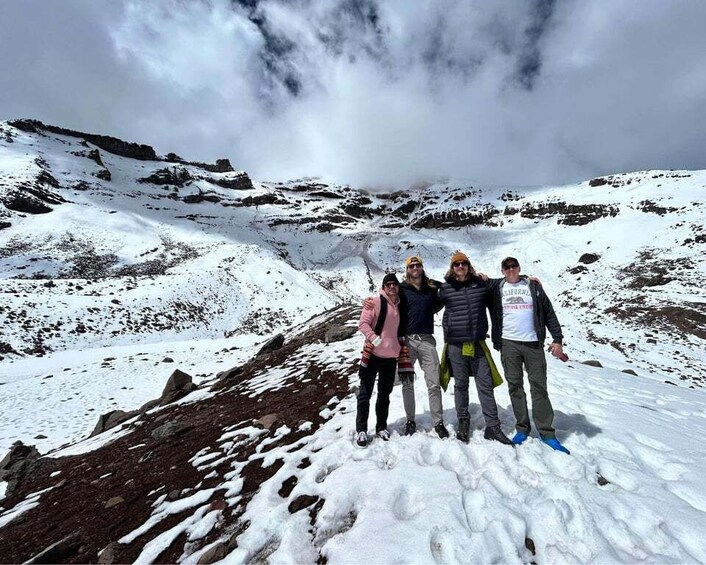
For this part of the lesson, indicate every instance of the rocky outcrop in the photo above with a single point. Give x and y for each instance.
(110, 144)
(221, 166)
(238, 181)
(569, 214)
(457, 218)
(21, 461)
(33, 197)
(176, 176)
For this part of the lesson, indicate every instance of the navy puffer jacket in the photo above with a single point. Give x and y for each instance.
(465, 303)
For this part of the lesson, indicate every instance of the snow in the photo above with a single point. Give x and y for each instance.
(413, 499)
(421, 499)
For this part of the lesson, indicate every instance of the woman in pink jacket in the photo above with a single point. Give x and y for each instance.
(380, 326)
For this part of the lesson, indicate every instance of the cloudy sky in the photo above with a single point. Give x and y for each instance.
(372, 93)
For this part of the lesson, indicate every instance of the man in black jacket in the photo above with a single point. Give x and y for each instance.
(465, 298)
(521, 313)
(421, 298)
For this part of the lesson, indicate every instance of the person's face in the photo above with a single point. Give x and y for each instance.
(511, 271)
(415, 271)
(392, 289)
(460, 270)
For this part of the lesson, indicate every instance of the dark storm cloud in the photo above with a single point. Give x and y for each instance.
(371, 92)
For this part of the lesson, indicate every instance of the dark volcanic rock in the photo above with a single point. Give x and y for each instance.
(61, 551)
(108, 143)
(176, 176)
(104, 174)
(572, 214)
(221, 166)
(457, 218)
(21, 461)
(597, 182)
(271, 345)
(111, 419)
(592, 363)
(588, 258)
(95, 156)
(170, 429)
(178, 385)
(5, 225)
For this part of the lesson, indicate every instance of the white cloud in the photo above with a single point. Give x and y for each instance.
(372, 92)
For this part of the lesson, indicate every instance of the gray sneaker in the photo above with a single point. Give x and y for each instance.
(384, 435)
(361, 439)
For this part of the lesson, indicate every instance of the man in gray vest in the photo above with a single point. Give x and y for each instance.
(521, 313)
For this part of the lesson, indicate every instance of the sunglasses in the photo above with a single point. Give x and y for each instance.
(391, 284)
(511, 266)
(460, 264)
(415, 266)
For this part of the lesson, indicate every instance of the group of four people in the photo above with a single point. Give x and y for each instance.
(398, 325)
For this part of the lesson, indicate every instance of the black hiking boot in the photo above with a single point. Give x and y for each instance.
(441, 430)
(410, 427)
(464, 425)
(496, 434)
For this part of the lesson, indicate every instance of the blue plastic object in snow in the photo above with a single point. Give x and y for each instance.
(555, 445)
(519, 438)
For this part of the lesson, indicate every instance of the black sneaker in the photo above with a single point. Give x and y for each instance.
(384, 435)
(496, 434)
(361, 439)
(410, 427)
(441, 430)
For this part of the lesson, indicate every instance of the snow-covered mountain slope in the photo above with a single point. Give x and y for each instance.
(118, 265)
(261, 469)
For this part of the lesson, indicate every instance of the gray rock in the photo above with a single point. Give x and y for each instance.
(108, 555)
(267, 421)
(216, 553)
(630, 372)
(147, 406)
(230, 373)
(339, 333)
(111, 419)
(114, 501)
(170, 429)
(21, 460)
(592, 363)
(178, 385)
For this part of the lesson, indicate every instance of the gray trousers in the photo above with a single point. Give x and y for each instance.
(463, 366)
(422, 348)
(514, 355)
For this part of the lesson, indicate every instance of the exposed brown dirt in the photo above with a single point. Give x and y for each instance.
(77, 506)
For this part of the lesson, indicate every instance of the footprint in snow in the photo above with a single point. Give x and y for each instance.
(407, 502)
(442, 544)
